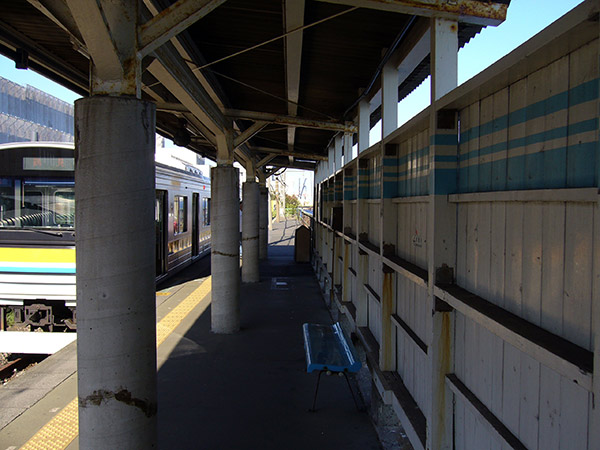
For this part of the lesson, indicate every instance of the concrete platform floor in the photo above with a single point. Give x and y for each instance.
(244, 391)
(251, 390)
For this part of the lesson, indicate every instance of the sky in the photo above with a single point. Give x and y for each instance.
(525, 19)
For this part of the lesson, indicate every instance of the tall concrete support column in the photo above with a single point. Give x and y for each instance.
(263, 221)
(116, 315)
(225, 253)
(250, 247)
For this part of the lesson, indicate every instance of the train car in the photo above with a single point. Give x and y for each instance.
(37, 231)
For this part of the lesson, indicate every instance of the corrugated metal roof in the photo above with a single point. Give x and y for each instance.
(339, 58)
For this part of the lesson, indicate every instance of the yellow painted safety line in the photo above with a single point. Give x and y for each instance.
(59, 432)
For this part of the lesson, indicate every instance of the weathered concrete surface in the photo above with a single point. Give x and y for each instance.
(251, 390)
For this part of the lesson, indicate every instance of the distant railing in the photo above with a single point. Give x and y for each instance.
(305, 216)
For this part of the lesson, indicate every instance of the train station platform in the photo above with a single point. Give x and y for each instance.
(243, 391)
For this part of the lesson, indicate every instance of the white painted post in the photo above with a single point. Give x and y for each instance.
(339, 148)
(361, 226)
(348, 153)
(364, 125)
(331, 161)
(116, 329)
(594, 422)
(389, 99)
(444, 60)
(388, 230)
(441, 230)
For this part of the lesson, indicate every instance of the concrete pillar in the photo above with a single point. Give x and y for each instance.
(250, 247)
(116, 315)
(225, 254)
(263, 222)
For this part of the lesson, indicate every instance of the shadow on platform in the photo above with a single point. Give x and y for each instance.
(250, 390)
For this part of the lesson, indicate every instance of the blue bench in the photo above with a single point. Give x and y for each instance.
(328, 351)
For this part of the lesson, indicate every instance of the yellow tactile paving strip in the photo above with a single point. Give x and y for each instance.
(58, 433)
(63, 428)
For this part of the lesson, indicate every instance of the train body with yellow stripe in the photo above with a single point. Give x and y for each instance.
(37, 231)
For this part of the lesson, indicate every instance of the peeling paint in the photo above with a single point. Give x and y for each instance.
(124, 396)
(490, 10)
(231, 255)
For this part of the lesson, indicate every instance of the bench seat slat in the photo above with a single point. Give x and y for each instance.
(327, 349)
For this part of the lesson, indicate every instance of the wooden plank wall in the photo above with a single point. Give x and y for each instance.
(527, 253)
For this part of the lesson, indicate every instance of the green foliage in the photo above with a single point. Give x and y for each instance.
(291, 201)
(10, 317)
(291, 204)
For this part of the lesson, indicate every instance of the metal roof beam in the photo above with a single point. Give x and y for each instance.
(292, 121)
(278, 152)
(470, 11)
(264, 161)
(296, 165)
(109, 29)
(172, 21)
(294, 18)
(248, 133)
(170, 69)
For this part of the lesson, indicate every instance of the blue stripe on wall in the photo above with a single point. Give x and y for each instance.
(580, 94)
(566, 167)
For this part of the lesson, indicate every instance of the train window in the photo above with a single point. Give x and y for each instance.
(206, 211)
(180, 215)
(7, 199)
(64, 208)
(32, 202)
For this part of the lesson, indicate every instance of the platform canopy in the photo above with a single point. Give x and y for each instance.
(286, 75)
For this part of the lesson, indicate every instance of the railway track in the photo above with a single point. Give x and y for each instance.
(17, 364)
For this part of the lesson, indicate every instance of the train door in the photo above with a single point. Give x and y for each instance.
(195, 224)
(160, 225)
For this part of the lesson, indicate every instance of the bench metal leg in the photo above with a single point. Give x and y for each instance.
(358, 407)
(352, 392)
(316, 392)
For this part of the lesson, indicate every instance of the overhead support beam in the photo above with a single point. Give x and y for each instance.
(225, 150)
(171, 107)
(300, 155)
(294, 19)
(204, 131)
(242, 157)
(470, 11)
(172, 21)
(109, 32)
(248, 133)
(289, 120)
(296, 165)
(265, 160)
(177, 77)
